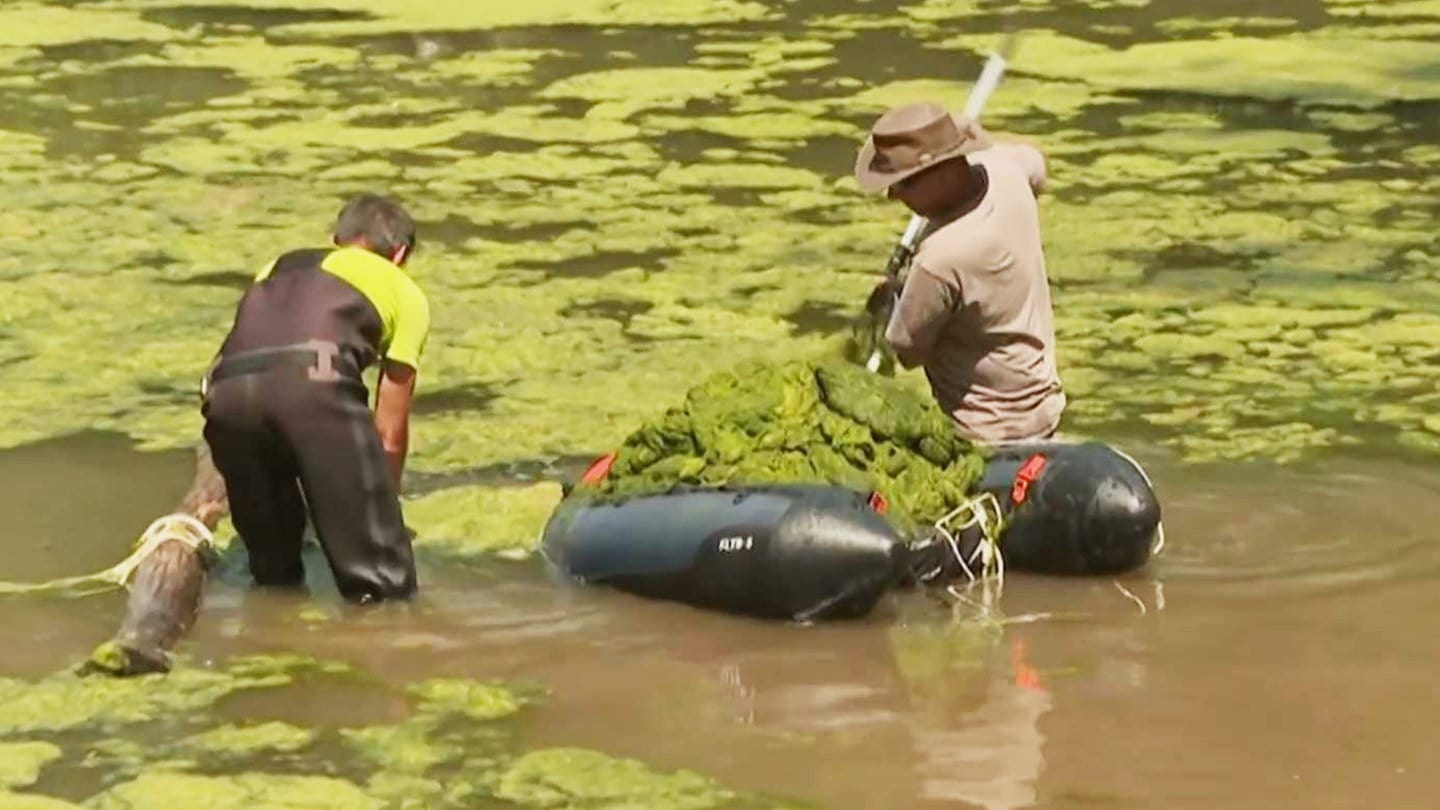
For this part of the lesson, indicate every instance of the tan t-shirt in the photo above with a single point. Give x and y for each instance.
(976, 312)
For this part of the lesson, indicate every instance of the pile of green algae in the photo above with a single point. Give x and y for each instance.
(806, 421)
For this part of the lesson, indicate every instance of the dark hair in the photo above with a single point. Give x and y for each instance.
(379, 221)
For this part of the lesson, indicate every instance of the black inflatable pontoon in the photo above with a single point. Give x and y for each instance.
(783, 552)
(1071, 509)
(816, 552)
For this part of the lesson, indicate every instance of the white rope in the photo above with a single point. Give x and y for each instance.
(1132, 597)
(984, 511)
(179, 526)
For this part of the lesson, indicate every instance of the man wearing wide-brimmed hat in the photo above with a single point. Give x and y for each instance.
(975, 308)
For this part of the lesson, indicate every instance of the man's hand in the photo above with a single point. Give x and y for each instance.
(882, 299)
(392, 415)
(866, 343)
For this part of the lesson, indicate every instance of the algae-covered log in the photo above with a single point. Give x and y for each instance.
(167, 584)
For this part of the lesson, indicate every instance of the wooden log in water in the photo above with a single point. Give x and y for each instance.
(166, 589)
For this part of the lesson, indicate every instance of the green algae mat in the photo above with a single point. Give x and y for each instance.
(167, 746)
(1238, 225)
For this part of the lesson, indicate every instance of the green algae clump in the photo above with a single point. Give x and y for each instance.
(1310, 69)
(390, 16)
(33, 24)
(243, 792)
(573, 777)
(481, 519)
(477, 701)
(804, 422)
(248, 740)
(65, 701)
(628, 90)
(402, 791)
(20, 763)
(410, 748)
(33, 801)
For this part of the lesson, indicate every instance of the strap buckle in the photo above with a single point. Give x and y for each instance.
(326, 354)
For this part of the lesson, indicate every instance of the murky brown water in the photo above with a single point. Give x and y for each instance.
(1278, 654)
(1284, 656)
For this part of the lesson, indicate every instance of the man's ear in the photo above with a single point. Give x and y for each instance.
(400, 254)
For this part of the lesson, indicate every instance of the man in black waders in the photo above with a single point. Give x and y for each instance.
(286, 409)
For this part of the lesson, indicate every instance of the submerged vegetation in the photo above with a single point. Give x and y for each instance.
(621, 198)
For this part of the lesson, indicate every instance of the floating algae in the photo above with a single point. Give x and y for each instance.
(416, 745)
(35, 24)
(21, 762)
(947, 11)
(473, 520)
(758, 127)
(27, 801)
(721, 260)
(114, 335)
(410, 748)
(65, 701)
(403, 16)
(1187, 25)
(1387, 8)
(1300, 67)
(491, 67)
(573, 777)
(451, 752)
(232, 740)
(804, 422)
(475, 701)
(401, 791)
(1022, 96)
(620, 93)
(228, 746)
(249, 57)
(738, 175)
(242, 792)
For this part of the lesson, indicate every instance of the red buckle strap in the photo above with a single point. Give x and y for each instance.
(1029, 472)
(598, 469)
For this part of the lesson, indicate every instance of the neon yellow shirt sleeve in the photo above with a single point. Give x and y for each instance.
(412, 324)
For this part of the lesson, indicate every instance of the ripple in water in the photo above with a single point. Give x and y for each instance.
(1260, 530)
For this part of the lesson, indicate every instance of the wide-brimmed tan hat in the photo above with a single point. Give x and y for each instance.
(911, 138)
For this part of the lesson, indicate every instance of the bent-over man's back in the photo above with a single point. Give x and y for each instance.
(976, 309)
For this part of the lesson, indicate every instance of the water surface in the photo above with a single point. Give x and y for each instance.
(619, 197)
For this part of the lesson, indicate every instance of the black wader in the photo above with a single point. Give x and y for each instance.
(290, 430)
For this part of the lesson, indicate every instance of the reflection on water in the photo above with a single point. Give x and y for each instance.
(1332, 527)
(993, 756)
(1096, 698)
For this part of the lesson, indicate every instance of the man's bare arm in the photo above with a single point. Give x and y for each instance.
(392, 415)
